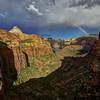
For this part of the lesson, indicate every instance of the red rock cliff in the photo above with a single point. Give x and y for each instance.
(24, 46)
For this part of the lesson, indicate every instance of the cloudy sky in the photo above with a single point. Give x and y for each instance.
(52, 18)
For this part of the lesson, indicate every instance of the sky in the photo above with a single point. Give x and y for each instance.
(59, 19)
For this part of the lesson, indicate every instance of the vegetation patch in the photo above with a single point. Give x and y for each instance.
(41, 67)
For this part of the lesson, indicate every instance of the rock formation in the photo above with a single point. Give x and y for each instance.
(24, 46)
(76, 79)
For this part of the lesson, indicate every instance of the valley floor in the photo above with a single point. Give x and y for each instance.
(67, 76)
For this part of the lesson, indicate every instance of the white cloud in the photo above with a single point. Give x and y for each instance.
(78, 15)
(4, 14)
(34, 9)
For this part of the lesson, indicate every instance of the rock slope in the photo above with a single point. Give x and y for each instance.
(24, 46)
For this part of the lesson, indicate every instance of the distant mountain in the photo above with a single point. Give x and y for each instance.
(95, 35)
(88, 39)
(23, 36)
(16, 30)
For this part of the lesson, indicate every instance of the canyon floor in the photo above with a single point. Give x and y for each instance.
(67, 76)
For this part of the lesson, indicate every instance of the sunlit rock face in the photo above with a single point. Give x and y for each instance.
(24, 47)
(16, 30)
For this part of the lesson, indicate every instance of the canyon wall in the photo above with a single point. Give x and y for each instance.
(24, 47)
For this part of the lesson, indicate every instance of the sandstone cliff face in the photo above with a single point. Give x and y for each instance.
(24, 47)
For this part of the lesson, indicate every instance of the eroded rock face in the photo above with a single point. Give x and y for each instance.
(17, 51)
(24, 47)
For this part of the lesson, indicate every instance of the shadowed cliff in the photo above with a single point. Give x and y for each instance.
(8, 73)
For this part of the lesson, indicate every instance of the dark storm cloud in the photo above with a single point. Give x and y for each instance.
(88, 3)
(39, 13)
